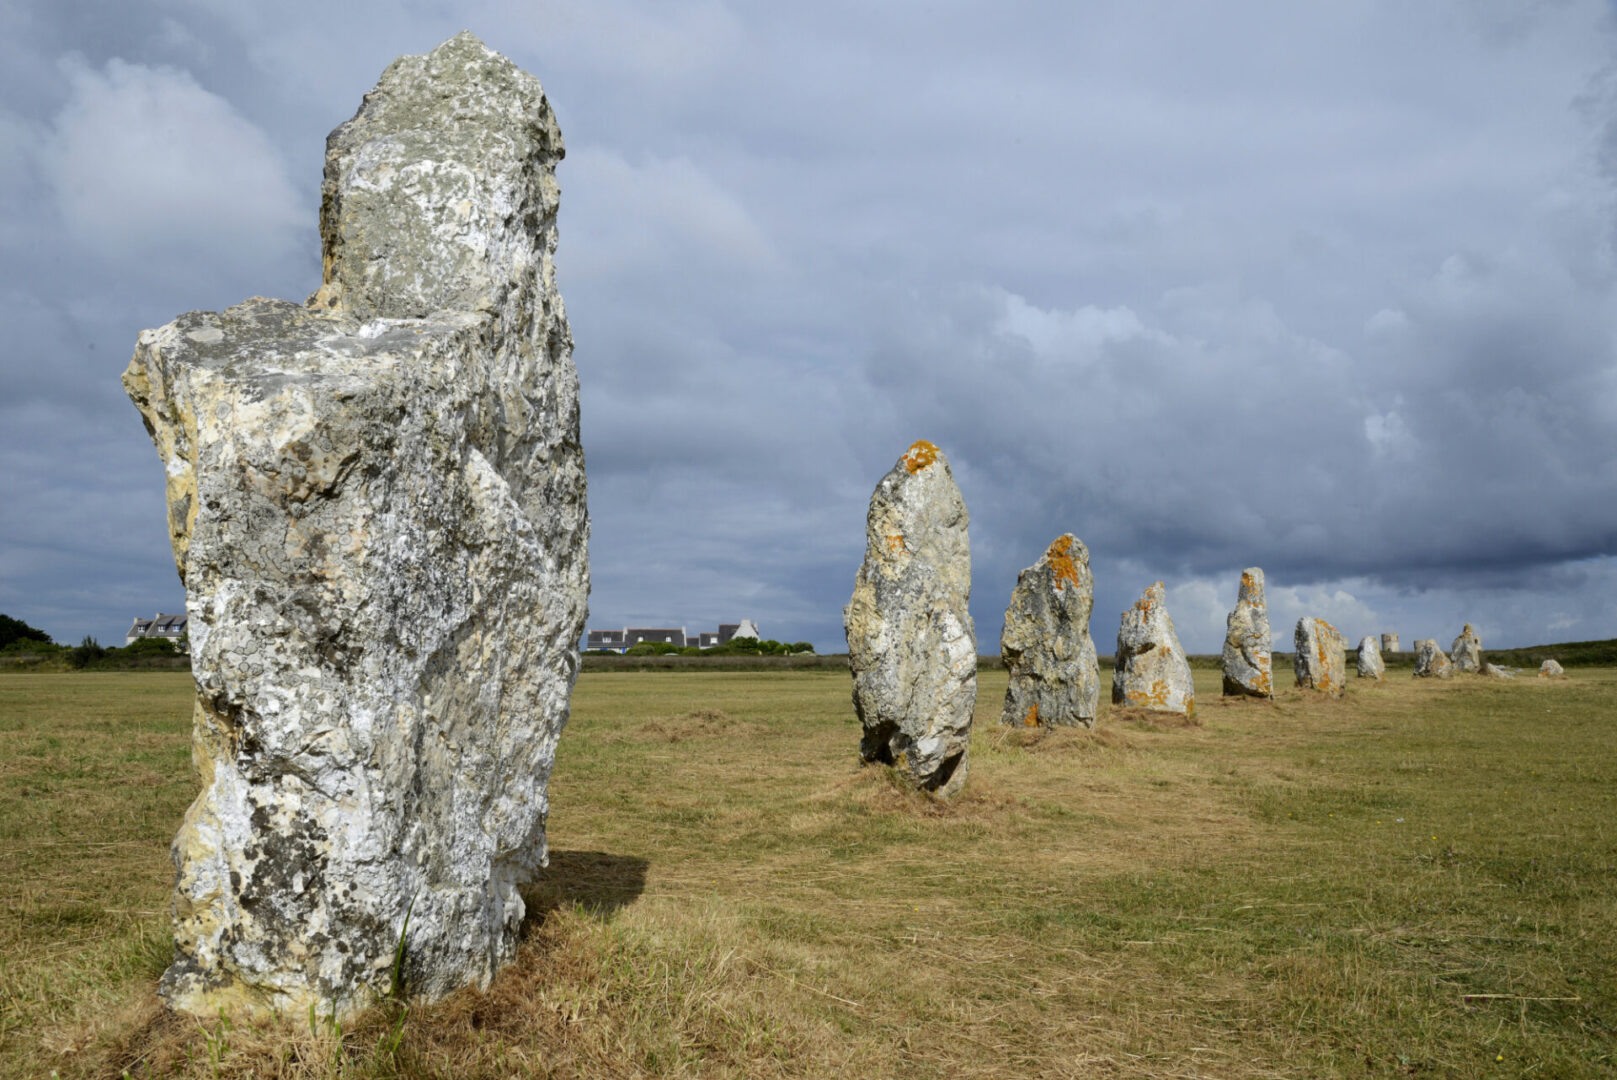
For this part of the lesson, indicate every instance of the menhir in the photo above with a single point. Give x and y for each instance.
(377, 506)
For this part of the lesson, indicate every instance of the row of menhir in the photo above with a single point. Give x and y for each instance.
(912, 646)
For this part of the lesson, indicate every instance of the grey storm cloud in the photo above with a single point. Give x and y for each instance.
(1324, 288)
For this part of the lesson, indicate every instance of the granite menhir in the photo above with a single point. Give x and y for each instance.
(911, 642)
(1054, 680)
(377, 506)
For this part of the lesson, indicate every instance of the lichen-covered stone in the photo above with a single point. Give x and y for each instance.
(1046, 646)
(1321, 662)
(1149, 669)
(1550, 669)
(911, 642)
(1370, 664)
(1248, 662)
(377, 506)
(1466, 652)
(1430, 663)
(1389, 642)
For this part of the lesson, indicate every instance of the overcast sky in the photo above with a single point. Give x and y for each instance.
(1325, 288)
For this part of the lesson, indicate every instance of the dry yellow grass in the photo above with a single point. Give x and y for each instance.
(1414, 881)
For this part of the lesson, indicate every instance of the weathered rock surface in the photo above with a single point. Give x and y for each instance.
(1054, 679)
(1321, 662)
(1389, 642)
(1430, 663)
(1497, 671)
(1466, 652)
(377, 506)
(1150, 670)
(1248, 662)
(1370, 664)
(911, 642)
(1550, 669)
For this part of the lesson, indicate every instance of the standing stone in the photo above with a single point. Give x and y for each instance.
(1046, 645)
(1430, 663)
(1370, 662)
(911, 642)
(1248, 664)
(377, 506)
(1550, 669)
(1467, 651)
(1150, 670)
(1389, 642)
(1321, 663)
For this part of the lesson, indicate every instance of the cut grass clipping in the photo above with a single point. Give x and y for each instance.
(1417, 880)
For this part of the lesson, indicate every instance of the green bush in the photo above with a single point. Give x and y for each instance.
(652, 648)
(149, 646)
(85, 653)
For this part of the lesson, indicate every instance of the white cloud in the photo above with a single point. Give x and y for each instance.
(656, 214)
(143, 161)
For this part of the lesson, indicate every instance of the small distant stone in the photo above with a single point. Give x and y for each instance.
(1054, 680)
(1467, 651)
(1371, 665)
(1430, 663)
(1321, 663)
(1498, 671)
(911, 642)
(1389, 642)
(1248, 662)
(1550, 669)
(1150, 669)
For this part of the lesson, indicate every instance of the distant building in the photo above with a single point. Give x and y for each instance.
(633, 636)
(627, 638)
(605, 639)
(170, 628)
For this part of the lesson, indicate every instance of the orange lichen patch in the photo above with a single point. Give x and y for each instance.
(919, 456)
(1060, 556)
(1152, 696)
(1032, 717)
(1147, 599)
(1247, 584)
(895, 543)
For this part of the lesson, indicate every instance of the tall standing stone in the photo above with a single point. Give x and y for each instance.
(911, 642)
(377, 506)
(1389, 642)
(1370, 664)
(1248, 663)
(1320, 663)
(1046, 646)
(1149, 669)
(1466, 653)
(1430, 663)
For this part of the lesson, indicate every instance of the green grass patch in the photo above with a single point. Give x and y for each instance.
(1413, 881)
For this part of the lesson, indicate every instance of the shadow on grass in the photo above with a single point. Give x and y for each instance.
(594, 880)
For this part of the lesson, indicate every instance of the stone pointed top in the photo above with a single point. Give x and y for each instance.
(1064, 562)
(436, 189)
(921, 455)
(1252, 587)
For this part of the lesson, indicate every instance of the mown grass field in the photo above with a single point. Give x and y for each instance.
(1419, 880)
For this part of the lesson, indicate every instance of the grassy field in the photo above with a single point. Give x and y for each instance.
(1419, 880)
